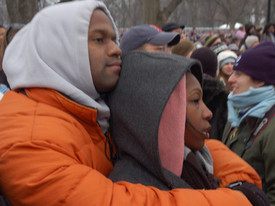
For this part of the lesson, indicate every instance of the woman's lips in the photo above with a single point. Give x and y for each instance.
(206, 133)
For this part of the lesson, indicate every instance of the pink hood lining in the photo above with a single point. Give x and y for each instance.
(172, 129)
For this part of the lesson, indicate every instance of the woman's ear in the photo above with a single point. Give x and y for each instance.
(260, 83)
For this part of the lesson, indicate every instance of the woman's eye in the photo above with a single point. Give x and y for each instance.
(237, 73)
(196, 101)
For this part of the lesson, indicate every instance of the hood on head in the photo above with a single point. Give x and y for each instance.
(138, 103)
(51, 51)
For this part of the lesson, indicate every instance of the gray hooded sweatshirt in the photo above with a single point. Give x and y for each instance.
(150, 149)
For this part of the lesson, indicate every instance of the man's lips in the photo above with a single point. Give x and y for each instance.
(115, 65)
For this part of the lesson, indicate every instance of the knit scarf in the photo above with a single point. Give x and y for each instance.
(255, 103)
(198, 170)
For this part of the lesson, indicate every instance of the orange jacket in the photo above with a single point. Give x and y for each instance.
(53, 153)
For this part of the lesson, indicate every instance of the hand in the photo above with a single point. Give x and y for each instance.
(252, 192)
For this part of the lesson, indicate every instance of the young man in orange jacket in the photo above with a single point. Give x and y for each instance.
(54, 142)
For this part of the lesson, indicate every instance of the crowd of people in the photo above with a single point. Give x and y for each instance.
(154, 116)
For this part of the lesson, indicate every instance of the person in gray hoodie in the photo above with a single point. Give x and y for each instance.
(143, 93)
(150, 126)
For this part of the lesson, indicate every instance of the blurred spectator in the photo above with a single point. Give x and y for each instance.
(235, 45)
(8, 36)
(268, 33)
(259, 31)
(250, 29)
(240, 33)
(214, 91)
(219, 47)
(2, 31)
(210, 41)
(148, 38)
(197, 45)
(227, 39)
(235, 41)
(194, 36)
(208, 60)
(184, 48)
(226, 60)
(251, 41)
(174, 27)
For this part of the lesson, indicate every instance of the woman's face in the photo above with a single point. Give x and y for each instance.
(228, 68)
(197, 115)
(271, 29)
(240, 82)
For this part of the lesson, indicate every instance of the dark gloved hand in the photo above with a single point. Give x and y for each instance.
(252, 192)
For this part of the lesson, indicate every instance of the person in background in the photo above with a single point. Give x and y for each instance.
(235, 45)
(219, 47)
(8, 36)
(193, 36)
(236, 41)
(249, 131)
(250, 29)
(160, 133)
(226, 60)
(228, 39)
(269, 33)
(184, 48)
(251, 41)
(212, 40)
(240, 33)
(198, 45)
(214, 91)
(259, 31)
(215, 43)
(2, 32)
(148, 38)
(174, 27)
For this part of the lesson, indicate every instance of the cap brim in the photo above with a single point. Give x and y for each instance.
(170, 38)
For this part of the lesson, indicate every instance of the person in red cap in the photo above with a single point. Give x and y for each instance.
(250, 129)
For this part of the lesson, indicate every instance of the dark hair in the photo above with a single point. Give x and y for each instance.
(267, 26)
(248, 26)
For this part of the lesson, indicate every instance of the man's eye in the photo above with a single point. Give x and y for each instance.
(99, 40)
(161, 48)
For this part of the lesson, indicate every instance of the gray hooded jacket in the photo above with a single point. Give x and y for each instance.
(146, 83)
